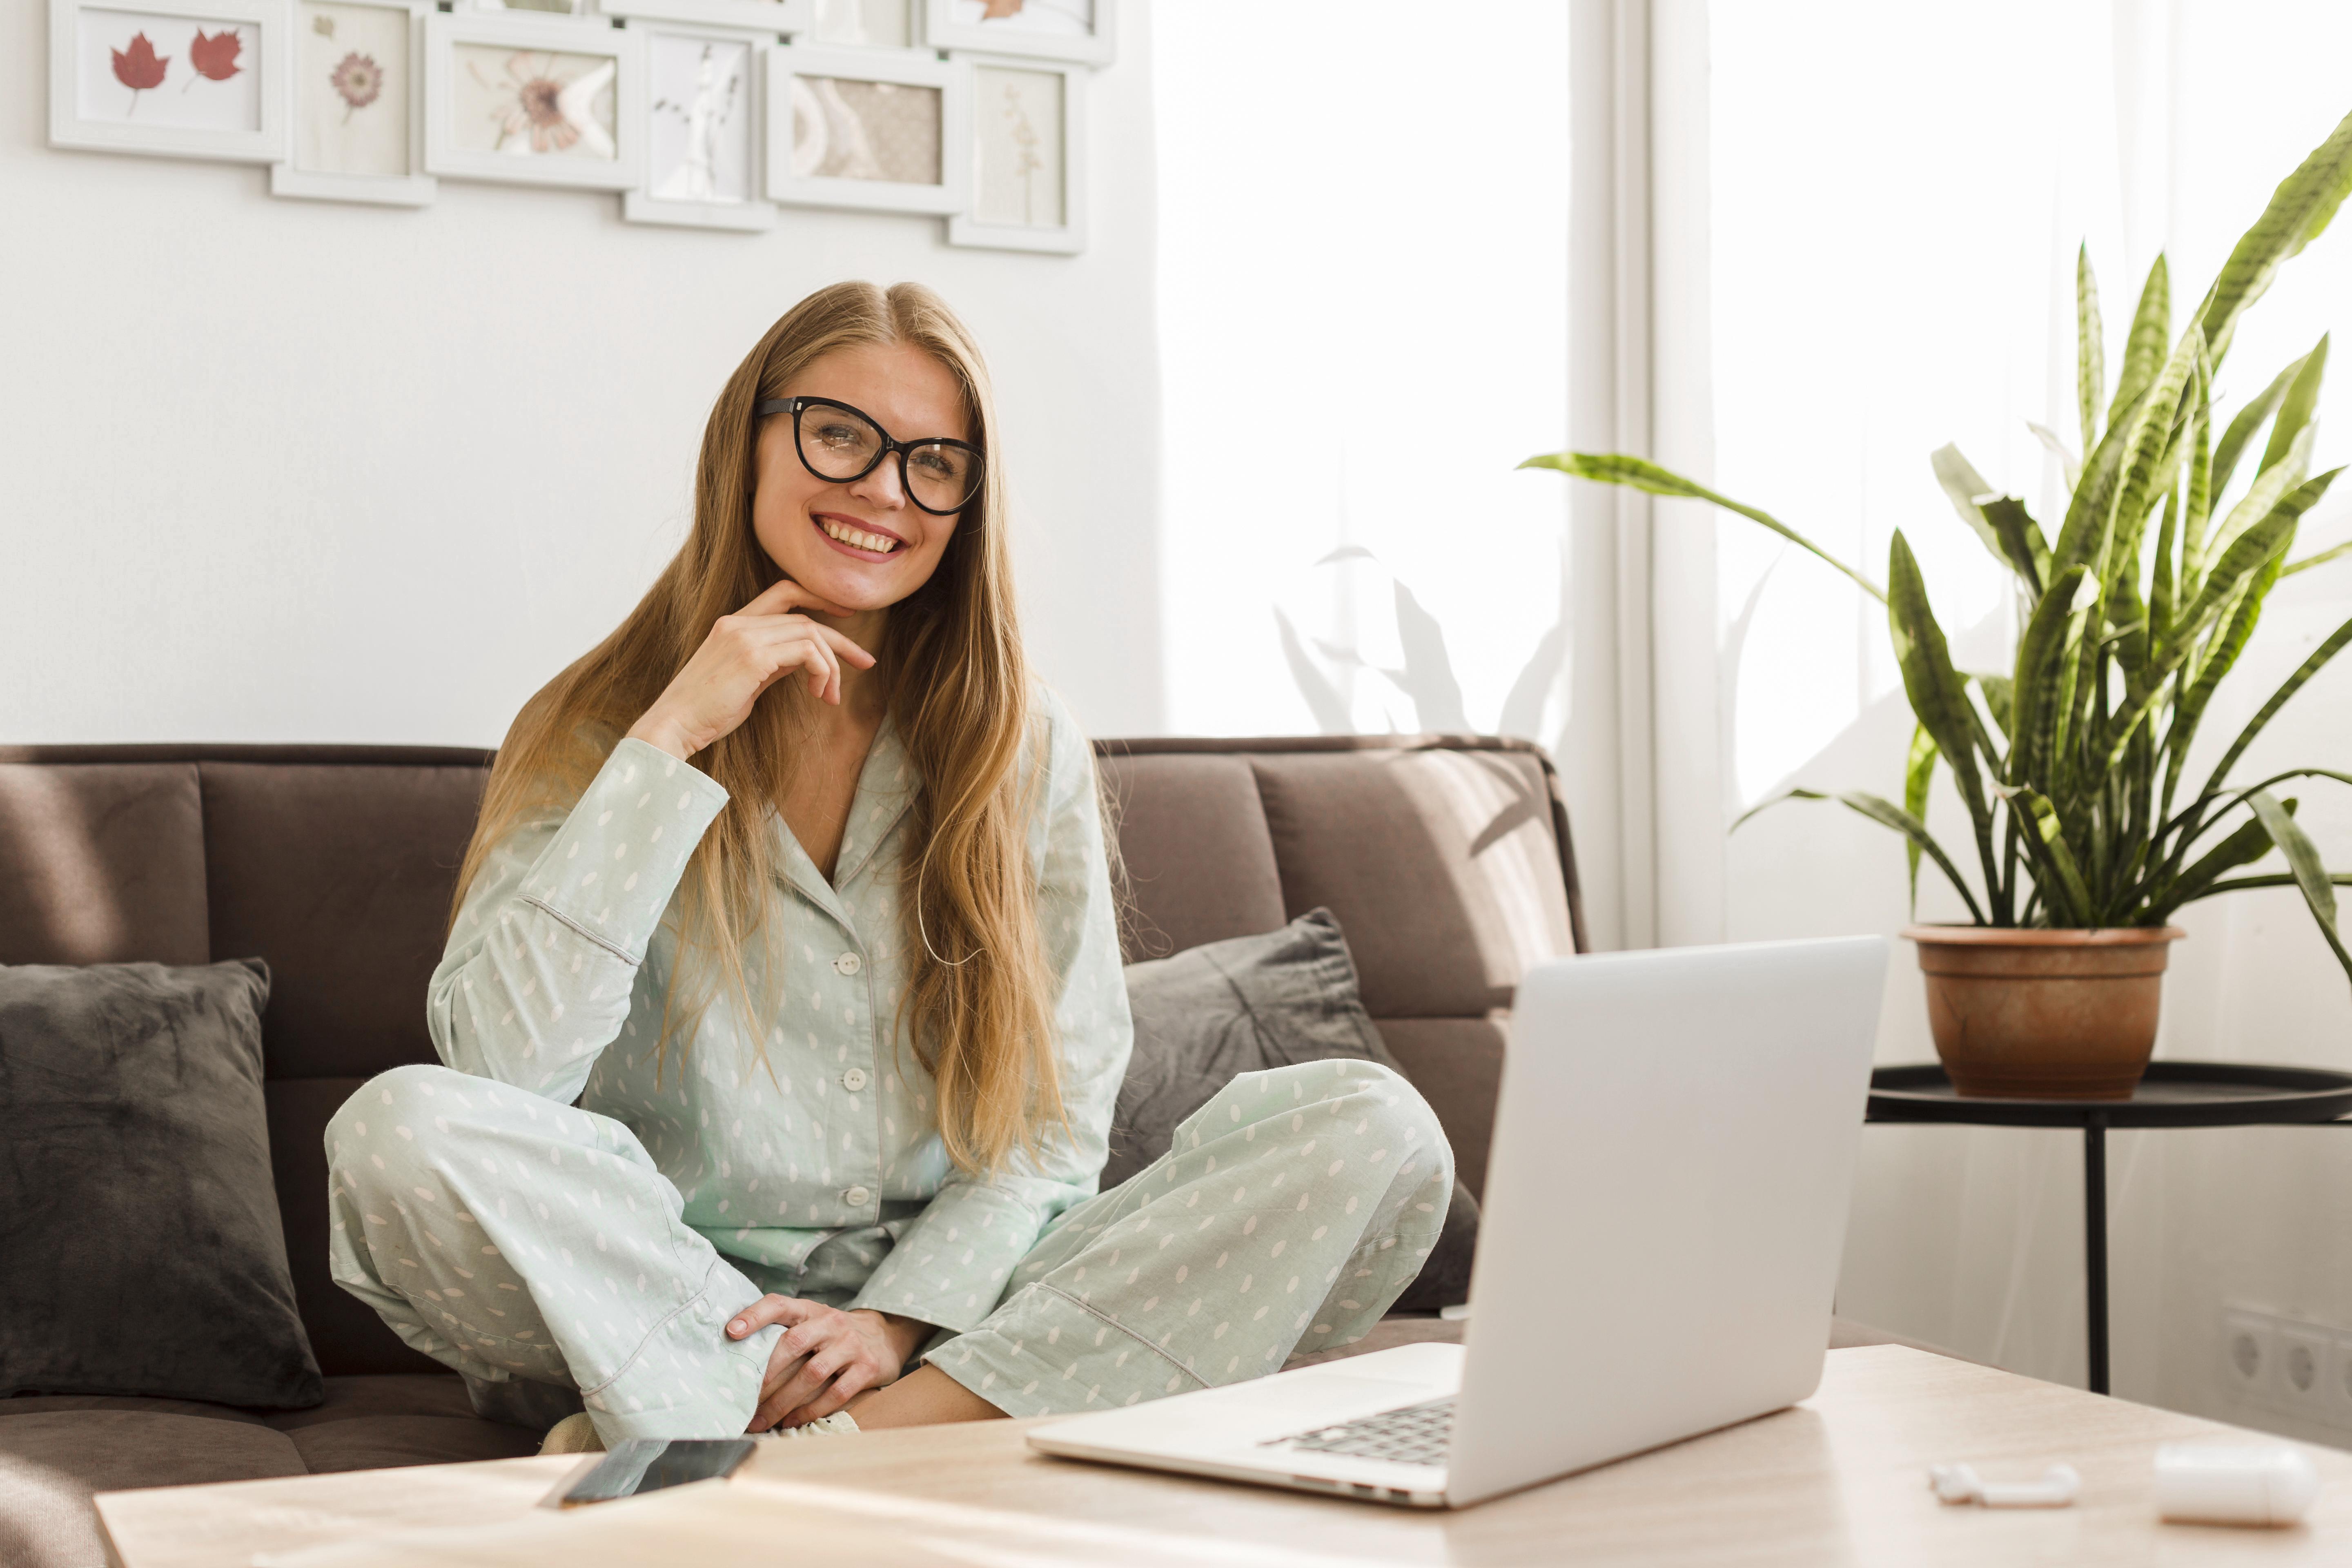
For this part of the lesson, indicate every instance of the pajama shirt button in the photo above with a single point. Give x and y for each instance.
(857, 1197)
(847, 964)
(854, 1079)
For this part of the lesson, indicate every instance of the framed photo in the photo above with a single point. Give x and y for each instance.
(866, 24)
(702, 100)
(528, 7)
(355, 103)
(772, 17)
(534, 101)
(1028, 157)
(865, 128)
(186, 78)
(1079, 30)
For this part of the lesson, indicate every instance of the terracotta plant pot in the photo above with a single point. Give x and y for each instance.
(2044, 1015)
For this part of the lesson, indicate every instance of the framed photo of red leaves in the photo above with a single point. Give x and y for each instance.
(183, 79)
(355, 103)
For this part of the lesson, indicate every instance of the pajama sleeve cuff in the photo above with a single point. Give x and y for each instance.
(610, 869)
(951, 1265)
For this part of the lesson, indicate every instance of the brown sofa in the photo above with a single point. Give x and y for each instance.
(1446, 860)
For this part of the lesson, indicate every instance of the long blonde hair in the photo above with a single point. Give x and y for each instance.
(976, 1006)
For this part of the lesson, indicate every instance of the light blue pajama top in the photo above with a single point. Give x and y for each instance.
(821, 1172)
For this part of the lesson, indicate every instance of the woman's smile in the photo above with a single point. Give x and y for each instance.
(854, 536)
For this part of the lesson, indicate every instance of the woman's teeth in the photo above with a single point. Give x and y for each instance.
(881, 543)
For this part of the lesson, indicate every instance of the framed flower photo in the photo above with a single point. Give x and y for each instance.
(1028, 157)
(534, 101)
(869, 129)
(355, 105)
(775, 18)
(186, 78)
(1079, 30)
(702, 102)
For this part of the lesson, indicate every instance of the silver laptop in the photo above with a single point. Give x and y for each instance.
(1666, 1204)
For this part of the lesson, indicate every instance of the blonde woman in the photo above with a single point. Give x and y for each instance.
(783, 1014)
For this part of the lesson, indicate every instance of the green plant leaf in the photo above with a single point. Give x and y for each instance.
(2151, 329)
(2220, 653)
(2246, 421)
(2262, 499)
(2154, 454)
(2090, 353)
(1638, 473)
(2297, 409)
(1999, 692)
(2310, 874)
(1886, 813)
(2035, 698)
(1964, 485)
(2322, 559)
(2298, 213)
(1937, 697)
(2023, 548)
(2310, 667)
(1918, 773)
(2247, 553)
(2284, 879)
(2059, 855)
(2081, 537)
(2249, 844)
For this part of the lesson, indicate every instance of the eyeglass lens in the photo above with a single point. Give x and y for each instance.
(838, 444)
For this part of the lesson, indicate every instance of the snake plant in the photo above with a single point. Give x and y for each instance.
(2071, 762)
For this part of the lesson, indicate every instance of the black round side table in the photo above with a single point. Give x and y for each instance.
(2173, 1094)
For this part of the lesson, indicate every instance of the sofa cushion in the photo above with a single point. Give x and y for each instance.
(376, 1423)
(341, 876)
(51, 1461)
(137, 1171)
(1208, 1015)
(1198, 859)
(101, 864)
(1457, 1065)
(1440, 866)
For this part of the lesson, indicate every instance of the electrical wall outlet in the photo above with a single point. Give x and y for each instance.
(2250, 1354)
(2304, 1381)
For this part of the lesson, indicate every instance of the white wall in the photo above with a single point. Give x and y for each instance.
(277, 470)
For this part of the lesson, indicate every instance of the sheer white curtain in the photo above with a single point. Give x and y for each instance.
(1363, 304)
(1897, 197)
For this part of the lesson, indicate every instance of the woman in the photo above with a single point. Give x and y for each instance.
(771, 1073)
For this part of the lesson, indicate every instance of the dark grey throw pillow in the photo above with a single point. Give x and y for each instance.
(1211, 1013)
(140, 1246)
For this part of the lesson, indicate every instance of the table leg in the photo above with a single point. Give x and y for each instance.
(2095, 1244)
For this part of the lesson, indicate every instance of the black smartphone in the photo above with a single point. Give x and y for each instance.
(648, 1464)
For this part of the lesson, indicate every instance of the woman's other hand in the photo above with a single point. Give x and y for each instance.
(825, 1358)
(744, 654)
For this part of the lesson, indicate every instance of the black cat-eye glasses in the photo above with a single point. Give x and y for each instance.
(844, 444)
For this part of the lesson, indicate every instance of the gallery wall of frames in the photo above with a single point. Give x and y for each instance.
(705, 113)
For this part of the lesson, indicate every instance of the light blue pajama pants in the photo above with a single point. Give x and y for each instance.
(535, 1248)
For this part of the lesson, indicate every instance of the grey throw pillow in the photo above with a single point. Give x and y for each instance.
(140, 1246)
(1212, 1013)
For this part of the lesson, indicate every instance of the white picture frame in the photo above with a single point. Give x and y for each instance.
(486, 120)
(770, 18)
(730, 154)
(525, 7)
(329, 60)
(1001, 127)
(1084, 31)
(816, 129)
(244, 122)
(865, 24)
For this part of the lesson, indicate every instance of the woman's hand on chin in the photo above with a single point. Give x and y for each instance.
(745, 654)
(825, 1358)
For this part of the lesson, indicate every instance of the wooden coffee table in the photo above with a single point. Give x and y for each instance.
(1840, 1479)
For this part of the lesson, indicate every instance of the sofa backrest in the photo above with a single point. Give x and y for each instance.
(1446, 860)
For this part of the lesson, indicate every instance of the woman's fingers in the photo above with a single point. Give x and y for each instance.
(786, 594)
(770, 1309)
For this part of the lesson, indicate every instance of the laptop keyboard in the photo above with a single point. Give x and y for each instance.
(1411, 1434)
